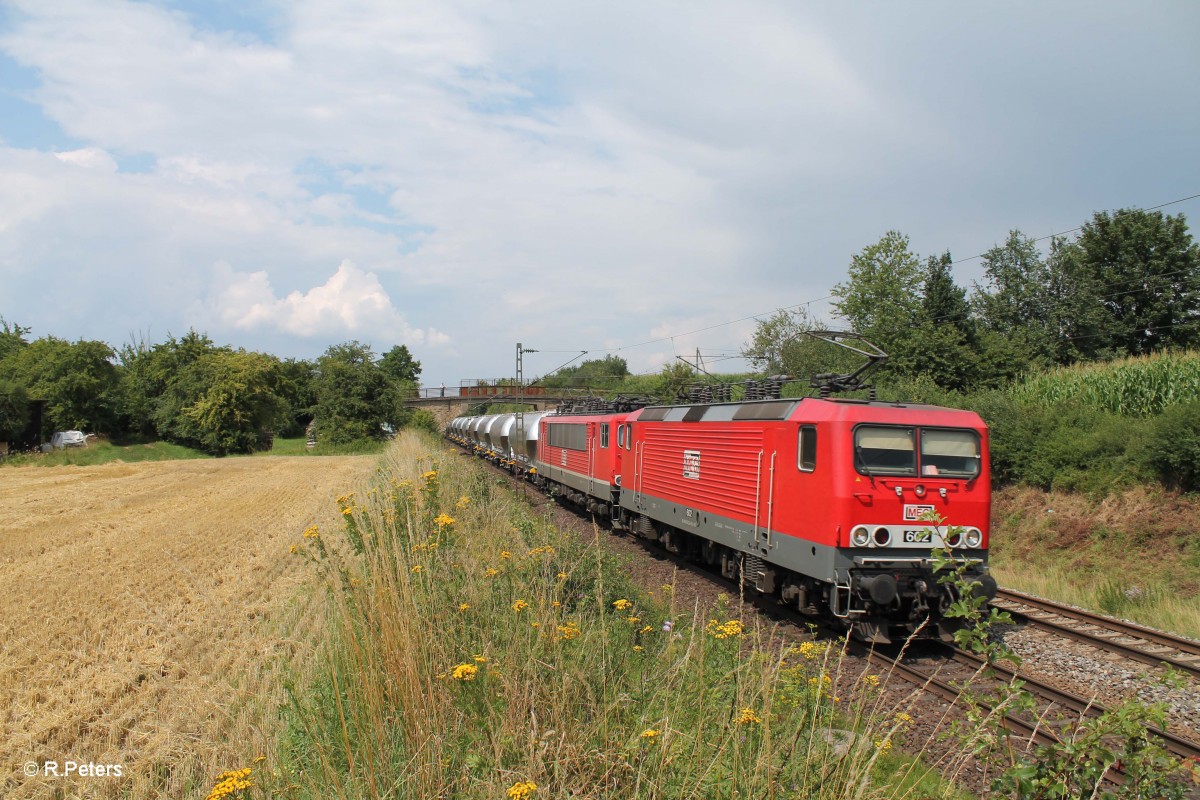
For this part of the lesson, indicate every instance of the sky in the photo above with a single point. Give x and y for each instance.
(628, 177)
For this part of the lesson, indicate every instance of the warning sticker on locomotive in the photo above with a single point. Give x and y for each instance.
(916, 513)
(691, 464)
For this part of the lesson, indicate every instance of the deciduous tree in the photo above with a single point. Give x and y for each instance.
(355, 398)
(882, 299)
(399, 364)
(1146, 270)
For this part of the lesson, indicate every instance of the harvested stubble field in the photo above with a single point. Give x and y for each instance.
(148, 613)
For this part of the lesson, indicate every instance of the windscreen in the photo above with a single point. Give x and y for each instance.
(949, 453)
(880, 450)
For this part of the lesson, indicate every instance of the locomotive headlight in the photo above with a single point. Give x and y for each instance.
(882, 537)
(860, 536)
(974, 537)
(920, 490)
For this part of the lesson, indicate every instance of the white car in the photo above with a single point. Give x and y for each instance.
(63, 439)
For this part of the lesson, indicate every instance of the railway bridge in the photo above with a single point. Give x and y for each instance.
(448, 402)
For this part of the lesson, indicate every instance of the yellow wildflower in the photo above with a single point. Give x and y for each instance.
(903, 718)
(562, 576)
(883, 745)
(634, 620)
(521, 790)
(622, 604)
(292, 549)
(491, 573)
(810, 650)
(555, 604)
(311, 532)
(871, 680)
(463, 606)
(748, 717)
(637, 648)
(464, 672)
(520, 606)
(417, 568)
(504, 554)
(724, 630)
(650, 733)
(462, 503)
(646, 629)
(569, 630)
(430, 476)
(347, 511)
(443, 520)
(480, 659)
(230, 782)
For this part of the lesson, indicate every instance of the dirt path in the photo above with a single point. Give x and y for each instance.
(146, 613)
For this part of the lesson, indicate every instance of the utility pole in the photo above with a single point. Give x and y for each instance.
(519, 424)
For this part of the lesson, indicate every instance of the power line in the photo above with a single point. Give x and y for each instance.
(1080, 227)
(794, 306)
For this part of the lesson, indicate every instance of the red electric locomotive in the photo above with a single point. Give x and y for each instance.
(831, 505)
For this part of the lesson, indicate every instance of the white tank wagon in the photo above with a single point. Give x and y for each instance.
(498, 438)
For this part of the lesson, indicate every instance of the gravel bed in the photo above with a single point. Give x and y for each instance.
(1093, 673)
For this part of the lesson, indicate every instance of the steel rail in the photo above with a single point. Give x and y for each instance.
(1183, 748)
(1132, 652)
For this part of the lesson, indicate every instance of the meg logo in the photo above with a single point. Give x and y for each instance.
(691, 464)
(917, 513)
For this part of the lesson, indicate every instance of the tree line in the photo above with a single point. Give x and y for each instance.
(1127, 284)
(190, 391)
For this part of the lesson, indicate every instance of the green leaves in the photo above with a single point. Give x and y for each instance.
(355, 397)
(882, 299)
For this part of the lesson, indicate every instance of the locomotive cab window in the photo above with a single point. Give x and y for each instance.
(880, 450)
(807, 448)
(604, 434)
(620, 436)
(949, 453)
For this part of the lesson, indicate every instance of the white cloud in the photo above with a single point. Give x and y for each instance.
(351, 303)
(547, 172)
(89, 158)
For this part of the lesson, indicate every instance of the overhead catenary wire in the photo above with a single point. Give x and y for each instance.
(805, 303)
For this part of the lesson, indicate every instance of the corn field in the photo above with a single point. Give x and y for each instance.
(1139, 386)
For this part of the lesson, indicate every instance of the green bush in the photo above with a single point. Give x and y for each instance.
(1061, 446)
(1008, 433)
(1171, 447)
(14, 410)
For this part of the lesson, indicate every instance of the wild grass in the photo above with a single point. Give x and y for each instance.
(299, 447)
(1133, 554)
(1151, 605)
(480, 652)
(103, 452)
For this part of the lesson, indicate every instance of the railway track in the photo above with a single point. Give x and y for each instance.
(944, 675)
(1125, 639)
(948, 668)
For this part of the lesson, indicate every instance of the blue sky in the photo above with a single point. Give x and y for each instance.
(461, 176)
